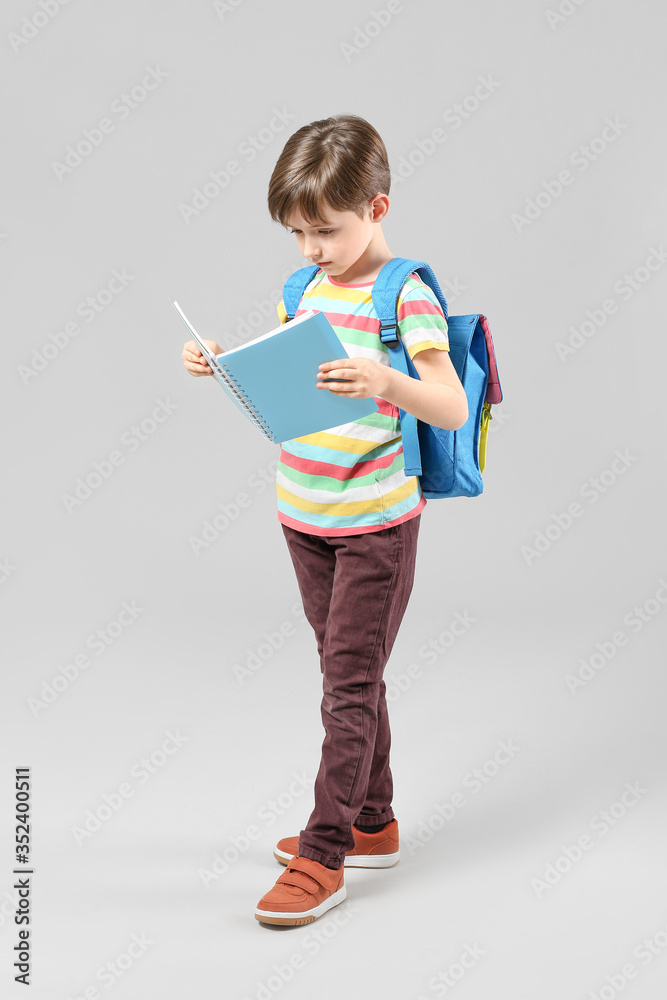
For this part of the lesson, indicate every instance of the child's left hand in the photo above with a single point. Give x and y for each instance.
(366, 377)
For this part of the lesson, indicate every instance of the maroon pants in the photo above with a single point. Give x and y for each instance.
(355, 589)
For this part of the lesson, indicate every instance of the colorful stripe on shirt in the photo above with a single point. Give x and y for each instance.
(350, 479)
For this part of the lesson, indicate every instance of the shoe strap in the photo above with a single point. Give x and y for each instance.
(308, 874)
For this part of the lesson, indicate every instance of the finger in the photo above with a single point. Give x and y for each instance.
(339, 363)
(340, 387)
(197, 359)
(335, 375)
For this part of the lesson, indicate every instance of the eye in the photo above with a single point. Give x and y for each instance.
(326, 232)
(292, 232)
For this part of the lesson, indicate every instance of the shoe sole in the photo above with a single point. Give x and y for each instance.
(275, 917)
(354, 860)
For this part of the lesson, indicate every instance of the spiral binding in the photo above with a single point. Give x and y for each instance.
(245, 401)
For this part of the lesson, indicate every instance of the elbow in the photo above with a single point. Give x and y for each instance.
(457, 413)
(463, 417)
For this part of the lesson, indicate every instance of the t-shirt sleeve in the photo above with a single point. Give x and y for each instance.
(282, 312)
(421, 321)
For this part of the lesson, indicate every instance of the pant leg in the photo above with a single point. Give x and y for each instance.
(380, 790)
(372, 581)
(314, 560)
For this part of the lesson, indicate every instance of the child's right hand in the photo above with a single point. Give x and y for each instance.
(194, 360)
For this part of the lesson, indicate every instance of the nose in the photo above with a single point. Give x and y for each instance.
(311, 251)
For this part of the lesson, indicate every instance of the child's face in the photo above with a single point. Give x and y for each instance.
(337, 243)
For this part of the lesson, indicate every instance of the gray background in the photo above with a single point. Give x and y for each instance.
(467, 881)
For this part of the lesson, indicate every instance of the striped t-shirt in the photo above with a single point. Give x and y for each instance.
(350, 479)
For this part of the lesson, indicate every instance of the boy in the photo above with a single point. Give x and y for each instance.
(349, 514)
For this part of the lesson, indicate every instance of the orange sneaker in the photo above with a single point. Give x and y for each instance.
(371, 850)
(302, 893)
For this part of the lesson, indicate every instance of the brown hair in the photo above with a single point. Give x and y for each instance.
(340, 162)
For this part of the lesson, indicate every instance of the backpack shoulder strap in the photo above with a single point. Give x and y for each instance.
(387, 288)
(295, 286)
(386, 291)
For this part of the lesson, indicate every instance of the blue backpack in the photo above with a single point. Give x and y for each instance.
(448, 463)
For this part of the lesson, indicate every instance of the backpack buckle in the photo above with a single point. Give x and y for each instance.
(386, 340)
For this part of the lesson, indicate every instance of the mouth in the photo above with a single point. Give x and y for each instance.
(323, 263)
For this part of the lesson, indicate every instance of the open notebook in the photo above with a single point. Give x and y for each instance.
(273, 379)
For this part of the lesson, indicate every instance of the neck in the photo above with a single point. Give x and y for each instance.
(371, 262)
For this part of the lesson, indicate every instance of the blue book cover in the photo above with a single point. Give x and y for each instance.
(273, 379)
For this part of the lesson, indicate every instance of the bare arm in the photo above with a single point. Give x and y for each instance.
(439, 398)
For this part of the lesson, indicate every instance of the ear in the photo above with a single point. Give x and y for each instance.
(379, 207)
